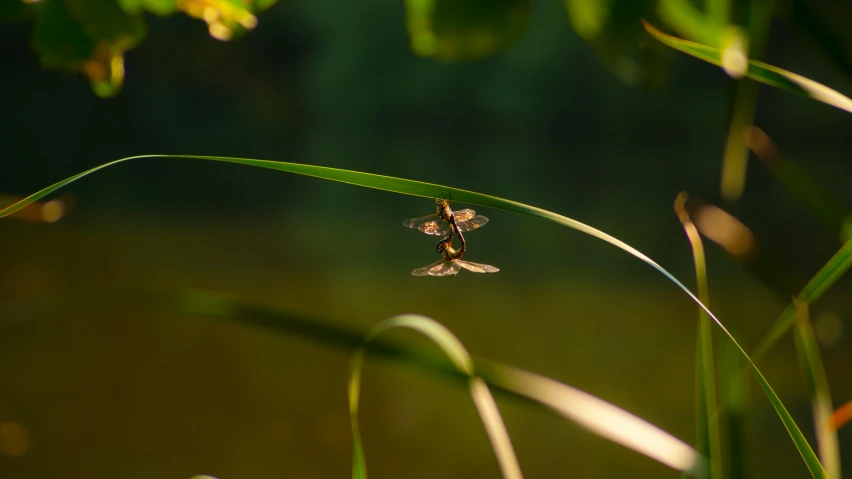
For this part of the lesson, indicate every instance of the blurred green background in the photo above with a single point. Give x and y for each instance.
(108, 381)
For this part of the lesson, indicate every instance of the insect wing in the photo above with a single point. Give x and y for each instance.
(446, 269)
(463, 215)
(477, 267)
(431, 269)
(471, 223)
(429, 224)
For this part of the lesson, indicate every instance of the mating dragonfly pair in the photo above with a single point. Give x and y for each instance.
(445, 221)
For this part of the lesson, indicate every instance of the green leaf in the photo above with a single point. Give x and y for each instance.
(587, 16)
(105, 21)
(464, 30)
(59, 41)
(87, 36)
(157, 7)
(708, 425)
(430, 190)
(479, 392)
(814, 372)
(758, 71)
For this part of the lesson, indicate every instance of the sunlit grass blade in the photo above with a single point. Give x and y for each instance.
(759, 71)
(705, 377)
(814, 372)
(803, 186)
(597, 415)
(461, 359)
(430, 190)
(832, 271)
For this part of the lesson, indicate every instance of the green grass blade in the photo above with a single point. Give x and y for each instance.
(832, 271)
(814, 372)
(705, 381)
(735, 159)
(736, 398)
(759, 71)
(417, 188)
(462, 361)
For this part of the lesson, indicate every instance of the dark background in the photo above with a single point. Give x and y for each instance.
(110, 386)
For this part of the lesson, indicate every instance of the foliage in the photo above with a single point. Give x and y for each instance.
(92, 36)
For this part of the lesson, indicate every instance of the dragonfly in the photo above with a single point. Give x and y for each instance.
(451, 262)
(440, 223)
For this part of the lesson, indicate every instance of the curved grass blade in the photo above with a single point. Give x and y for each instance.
(759, 71)
(599, 416)
(708, 426)
(814, 372)
(461, 359)
(430, 190)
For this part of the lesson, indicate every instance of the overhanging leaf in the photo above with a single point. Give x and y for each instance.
(759, 71)
(430, 190)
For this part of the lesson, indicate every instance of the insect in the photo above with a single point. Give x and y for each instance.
(451, 263)
(440, 223)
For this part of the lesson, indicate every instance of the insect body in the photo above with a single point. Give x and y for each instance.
(440, 223)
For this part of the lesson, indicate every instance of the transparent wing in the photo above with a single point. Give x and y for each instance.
(463, 215)
(428, 270)
(471, 223)
(429, 224)
(477, 267)
(446, 269)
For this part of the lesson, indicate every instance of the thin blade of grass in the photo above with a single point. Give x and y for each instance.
(832, 271)
(430, 190)
(736, 398)
(597, 415)
(705, 378)
(462, 361)
(735, 158)
(814, 373)
(759, 71)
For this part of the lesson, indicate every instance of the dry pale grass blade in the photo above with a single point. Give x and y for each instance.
(481, 395)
